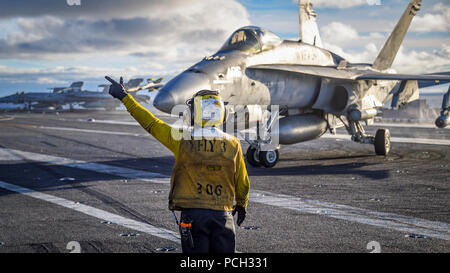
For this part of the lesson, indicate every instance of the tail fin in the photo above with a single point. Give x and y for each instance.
(105, 88)
(134, 83)
(390, 49)
(309, 32)
(77, 84)
(75, 87)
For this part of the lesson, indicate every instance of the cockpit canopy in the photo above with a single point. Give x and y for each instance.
(251, 40)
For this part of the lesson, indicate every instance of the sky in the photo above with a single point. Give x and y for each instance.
(48, 43)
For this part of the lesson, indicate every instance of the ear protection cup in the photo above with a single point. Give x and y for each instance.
(190, 110)
(225, 115)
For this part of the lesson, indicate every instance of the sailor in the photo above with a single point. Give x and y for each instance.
(209, 174)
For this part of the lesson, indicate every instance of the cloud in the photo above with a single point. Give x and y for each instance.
(343, 35)
(341, 4)
(65, 73)
(93, 9)
(437, 21)
(366, 54)
(168, 31)
(407, 61)
(134, 38)
(46, 80)
(414, 61)
(347, 42)
(339, 33)
(149, 38)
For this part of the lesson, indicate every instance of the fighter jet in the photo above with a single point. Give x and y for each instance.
(315, 89)
(95, 99)
(71, 95)
(74, 87)
(56, 98)
(151, 85)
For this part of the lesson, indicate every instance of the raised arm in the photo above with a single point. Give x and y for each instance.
(156, 127)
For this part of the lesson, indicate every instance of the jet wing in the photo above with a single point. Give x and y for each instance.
(423, 84)
(335, 72)
(437, 78)
(318, 71)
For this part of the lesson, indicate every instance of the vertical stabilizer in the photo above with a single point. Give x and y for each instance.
(390, 49)
(76, 86)
(132, 83)
(309, 32)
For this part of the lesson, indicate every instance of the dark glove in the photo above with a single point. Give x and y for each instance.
(117, 90)
(241, 214)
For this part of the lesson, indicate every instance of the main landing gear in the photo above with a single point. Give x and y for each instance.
(381, 140)
(258, 158)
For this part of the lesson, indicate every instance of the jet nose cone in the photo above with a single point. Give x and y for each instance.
(164, 101)
(178, 90)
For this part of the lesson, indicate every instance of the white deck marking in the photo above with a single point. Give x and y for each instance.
(428, 141)
(10, 155)
(391, 221)
(94, 212)
(115, 122)
(89, 131)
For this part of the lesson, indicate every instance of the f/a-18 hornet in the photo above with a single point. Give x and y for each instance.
(315, 90)
(74, 94)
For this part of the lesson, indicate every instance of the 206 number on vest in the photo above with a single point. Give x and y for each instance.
(209, 189)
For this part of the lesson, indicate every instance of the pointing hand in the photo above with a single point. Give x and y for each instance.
(117, 90)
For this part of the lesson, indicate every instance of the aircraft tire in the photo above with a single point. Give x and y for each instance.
(269, 158)
(382, 142)
(251, 157)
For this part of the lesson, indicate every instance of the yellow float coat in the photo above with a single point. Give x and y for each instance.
(208, 173)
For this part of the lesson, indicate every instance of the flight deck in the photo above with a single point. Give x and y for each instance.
(98, 181)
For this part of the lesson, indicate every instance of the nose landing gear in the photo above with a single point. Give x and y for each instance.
(263, 152)
(269, 158)
(252, 156)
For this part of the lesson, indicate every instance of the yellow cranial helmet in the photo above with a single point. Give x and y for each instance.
(207, 109)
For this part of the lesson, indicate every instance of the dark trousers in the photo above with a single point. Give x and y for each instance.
(212, 230)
